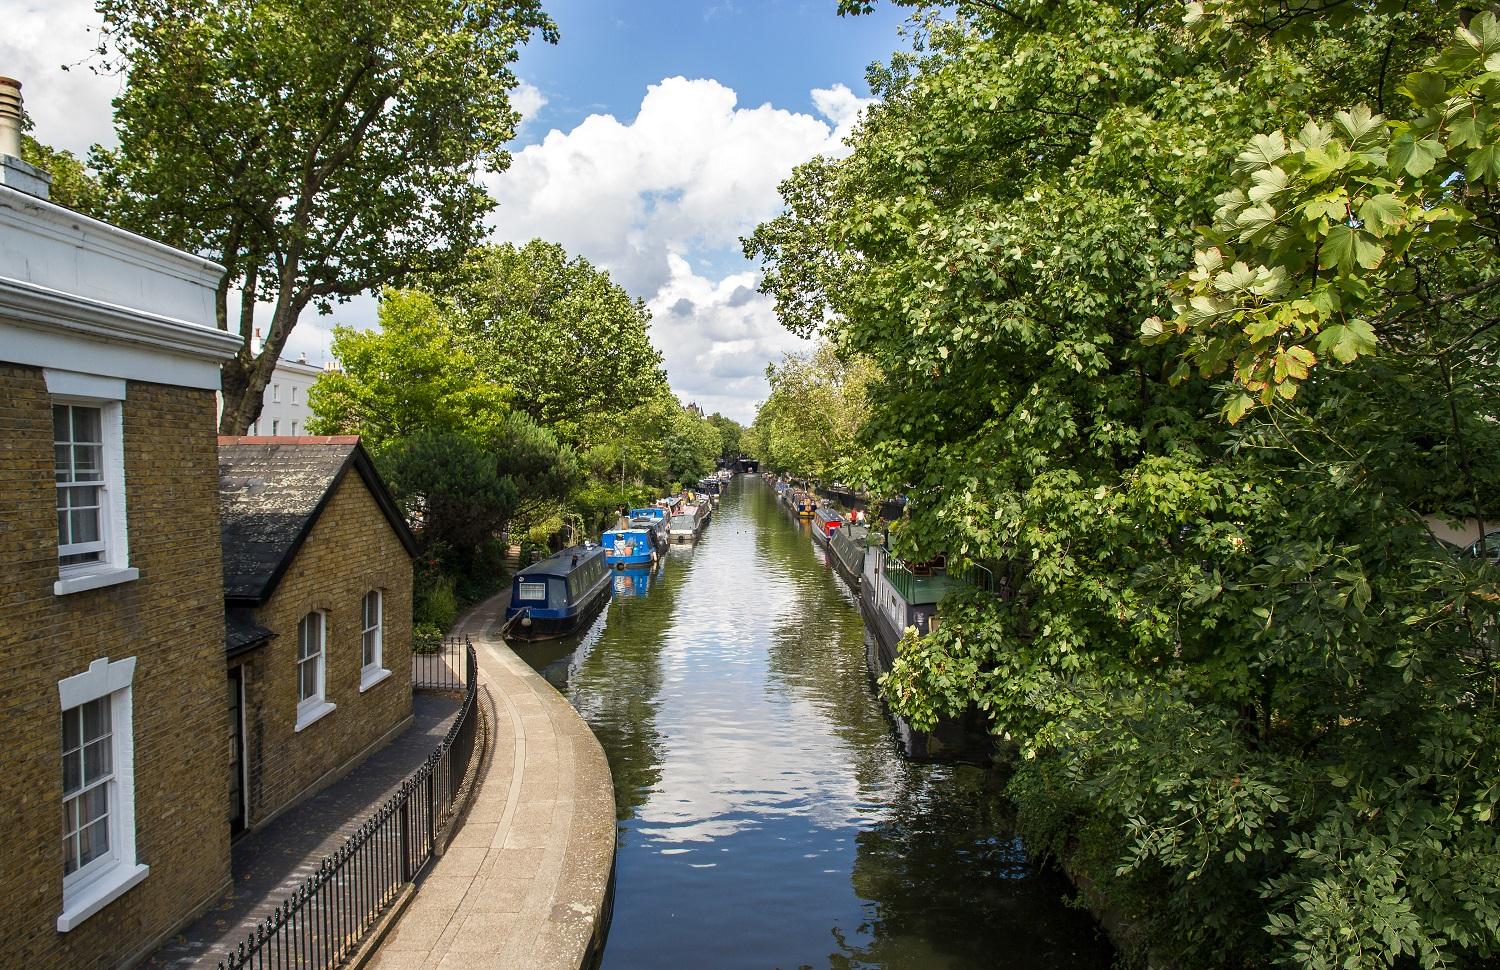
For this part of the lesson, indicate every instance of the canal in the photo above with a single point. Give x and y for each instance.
(766, 816)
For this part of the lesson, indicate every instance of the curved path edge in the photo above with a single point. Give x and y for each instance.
(525, 881)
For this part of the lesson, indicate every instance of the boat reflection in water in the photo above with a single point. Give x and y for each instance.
(637, 582)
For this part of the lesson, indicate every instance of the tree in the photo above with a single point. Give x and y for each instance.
(452, 491)
(415, 373)
(1253, 701)
(689, 447)
(317, 148)
(818, 406)
(72, 185)
(559, 329)
(730, 431)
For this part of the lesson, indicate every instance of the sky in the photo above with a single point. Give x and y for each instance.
(654, 136)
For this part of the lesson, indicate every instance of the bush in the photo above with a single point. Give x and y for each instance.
(434, 602)
(426, 638)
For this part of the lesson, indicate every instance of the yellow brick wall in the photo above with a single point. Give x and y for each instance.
(171, 619)
(351, 550)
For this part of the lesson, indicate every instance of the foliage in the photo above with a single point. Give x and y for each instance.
(72, 185)
(559, 329)
(317, 148)
(818, 405)
(452, 491)
(689, 447)
(730, 432)
(1239, 673)
(414, 373)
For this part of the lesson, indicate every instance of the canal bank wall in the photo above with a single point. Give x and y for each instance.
(526, 880)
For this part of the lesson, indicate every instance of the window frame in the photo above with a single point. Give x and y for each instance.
(91, 887)
(373, 670)
(315, 706)
(107, 394)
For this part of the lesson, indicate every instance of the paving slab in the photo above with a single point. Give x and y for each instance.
(525, 880)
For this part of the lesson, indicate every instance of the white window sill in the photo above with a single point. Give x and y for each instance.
(370, 676)
(313, 713)
(98, 894)
(95, 578)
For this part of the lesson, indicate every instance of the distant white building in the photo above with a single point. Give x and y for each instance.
(284, 409)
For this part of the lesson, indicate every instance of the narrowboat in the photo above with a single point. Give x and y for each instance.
(803, 504)
(552, 598)
(895, 597)
(653, 520)
(848, 545)
(628, 547)
(826, 521)
(687, 525)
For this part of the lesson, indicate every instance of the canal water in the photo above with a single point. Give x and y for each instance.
(766, 816)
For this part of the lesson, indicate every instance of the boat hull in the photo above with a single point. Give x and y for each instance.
(954, 739)
(549, 624)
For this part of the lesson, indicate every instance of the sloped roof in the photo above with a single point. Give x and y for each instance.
(242, 633)
(271, 492)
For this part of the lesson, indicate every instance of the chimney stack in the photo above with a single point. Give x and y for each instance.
(13, 172)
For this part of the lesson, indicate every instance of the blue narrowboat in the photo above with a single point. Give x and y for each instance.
(654, 520)
(552, 598)
(628, 547)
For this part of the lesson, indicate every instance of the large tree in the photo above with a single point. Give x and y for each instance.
(559, 328)
(317, 148)
(1254, 700)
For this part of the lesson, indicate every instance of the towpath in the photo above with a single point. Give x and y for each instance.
(525, 881)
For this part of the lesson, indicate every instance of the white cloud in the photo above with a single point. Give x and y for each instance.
(528, 99)
(690, 174)
(717, 337)
(69, 108)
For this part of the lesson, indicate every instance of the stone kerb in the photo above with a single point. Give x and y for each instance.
(525, 881)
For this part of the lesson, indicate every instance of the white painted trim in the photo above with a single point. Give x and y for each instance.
(27, 213)
(312, 713)
(96, 578)
(66, 383)
(100, 893)
(41, 306)
(100, 680)
(370, 676)
(37, 346)
(109, 679)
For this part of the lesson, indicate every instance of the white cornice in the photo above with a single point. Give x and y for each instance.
(43, 308)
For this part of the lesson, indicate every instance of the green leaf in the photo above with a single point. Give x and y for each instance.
(1484, 165)
(1381, 212)
(1345, 342)
(1427, 89)
(1415, 156)
(1237, 407)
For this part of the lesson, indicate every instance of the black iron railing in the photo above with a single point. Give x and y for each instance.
(442, 667)
(325, 919)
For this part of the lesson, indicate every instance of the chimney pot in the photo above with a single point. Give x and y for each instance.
(10, 117)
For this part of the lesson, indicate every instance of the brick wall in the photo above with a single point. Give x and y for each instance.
(351, 550)
(171, 619)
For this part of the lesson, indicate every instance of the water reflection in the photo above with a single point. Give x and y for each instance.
(766, 817)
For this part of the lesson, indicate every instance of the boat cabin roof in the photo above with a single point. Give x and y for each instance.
(618, 533)
(563, 563)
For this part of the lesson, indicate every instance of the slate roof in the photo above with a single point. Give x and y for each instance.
(271, 492)
(242, 633)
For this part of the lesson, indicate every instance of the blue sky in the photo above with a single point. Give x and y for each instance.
(655, 135)
(766, 50)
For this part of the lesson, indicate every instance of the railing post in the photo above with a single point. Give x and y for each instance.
(404, 830)
(432, 811)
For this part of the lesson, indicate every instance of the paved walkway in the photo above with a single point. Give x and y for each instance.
(525, 882)
(270, 863)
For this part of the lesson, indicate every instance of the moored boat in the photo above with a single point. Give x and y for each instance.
(848, 546)
(895, 597)
(826, 521)
(803, 504)
(653, 520)
(688, 523)
(628, 548)
(552, 598)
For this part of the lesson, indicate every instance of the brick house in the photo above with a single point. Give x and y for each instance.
(113, 762)
(317, 588)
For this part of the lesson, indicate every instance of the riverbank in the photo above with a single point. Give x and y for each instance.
(526, 878)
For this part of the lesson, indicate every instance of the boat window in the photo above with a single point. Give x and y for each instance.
(531, 589)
